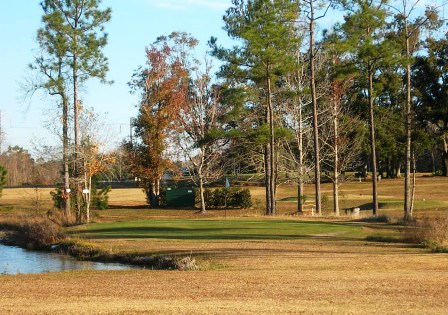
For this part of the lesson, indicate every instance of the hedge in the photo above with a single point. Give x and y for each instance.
(234, 197)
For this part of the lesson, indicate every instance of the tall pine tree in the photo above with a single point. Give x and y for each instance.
(71, 42)
(265, 31)
(362, 40)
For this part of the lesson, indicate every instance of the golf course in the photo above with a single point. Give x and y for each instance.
(243, 261)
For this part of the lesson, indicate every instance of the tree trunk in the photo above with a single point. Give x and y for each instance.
(273, 164)
(65, 154)
(336, 160)
(201, 194)
(408, 122)
(153, 193)
(88, 196)
(267, 179)
(299, 136)
(76, 173)
(78, 190)
(373, 145)
(433, 161)
(445, 155)
(315, 118)
(157, 192)
(300, 196)
(411, 208)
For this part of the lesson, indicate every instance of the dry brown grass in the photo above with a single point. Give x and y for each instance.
(310, 277)
(300, 276)
(431, 197)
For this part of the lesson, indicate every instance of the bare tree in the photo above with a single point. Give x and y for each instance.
(197, 121)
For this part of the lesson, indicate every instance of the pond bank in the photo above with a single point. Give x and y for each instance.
(16, 260)
(84, 251)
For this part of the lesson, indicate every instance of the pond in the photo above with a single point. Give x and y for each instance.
(15, 260)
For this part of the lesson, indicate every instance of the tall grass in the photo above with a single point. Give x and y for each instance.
(32, 231)
(432, 232)
(40, 232)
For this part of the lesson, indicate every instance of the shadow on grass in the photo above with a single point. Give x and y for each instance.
(381, 205)
(138, 207)
(204, 230)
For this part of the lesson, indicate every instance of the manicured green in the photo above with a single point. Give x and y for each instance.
(221, 230)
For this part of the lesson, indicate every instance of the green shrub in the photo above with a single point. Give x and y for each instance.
(437, 173)
(234, 197)
(100, 198)
(209, 198)
(162, 196)
(58, 200)
(220, 196)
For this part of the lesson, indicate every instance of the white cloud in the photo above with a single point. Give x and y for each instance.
(185, 4)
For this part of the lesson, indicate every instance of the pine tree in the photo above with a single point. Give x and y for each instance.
(71, 42)
(363, 42)
(266, 32)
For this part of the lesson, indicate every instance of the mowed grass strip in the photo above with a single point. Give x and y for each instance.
(261, 229)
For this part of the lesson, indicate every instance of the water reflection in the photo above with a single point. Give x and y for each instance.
(15, 260)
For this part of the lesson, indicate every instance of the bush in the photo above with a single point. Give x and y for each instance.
(39, 232)
(58, 199)
(431, 232)
(162, 196)
(100, 198)
(234, 197)
(209, 198)
(221, 197)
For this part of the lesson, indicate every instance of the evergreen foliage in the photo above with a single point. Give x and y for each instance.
(234, 197)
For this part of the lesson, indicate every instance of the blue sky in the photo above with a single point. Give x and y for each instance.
(134, 25)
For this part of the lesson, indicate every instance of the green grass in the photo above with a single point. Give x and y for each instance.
(262, 229)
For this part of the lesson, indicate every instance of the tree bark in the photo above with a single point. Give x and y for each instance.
(373, 144)
(336, 160)
(267, 179)
(445, 155)
(408, 122)
(76, 174)
(300, 196)
(273, 164)
(201, 182)
(65, 153)
(315, 118)
(201, 195)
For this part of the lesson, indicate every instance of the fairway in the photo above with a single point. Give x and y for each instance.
(261, 229)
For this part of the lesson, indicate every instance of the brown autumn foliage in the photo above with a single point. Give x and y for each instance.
(163, 88)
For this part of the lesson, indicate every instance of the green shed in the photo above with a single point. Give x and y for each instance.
(180, 197)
